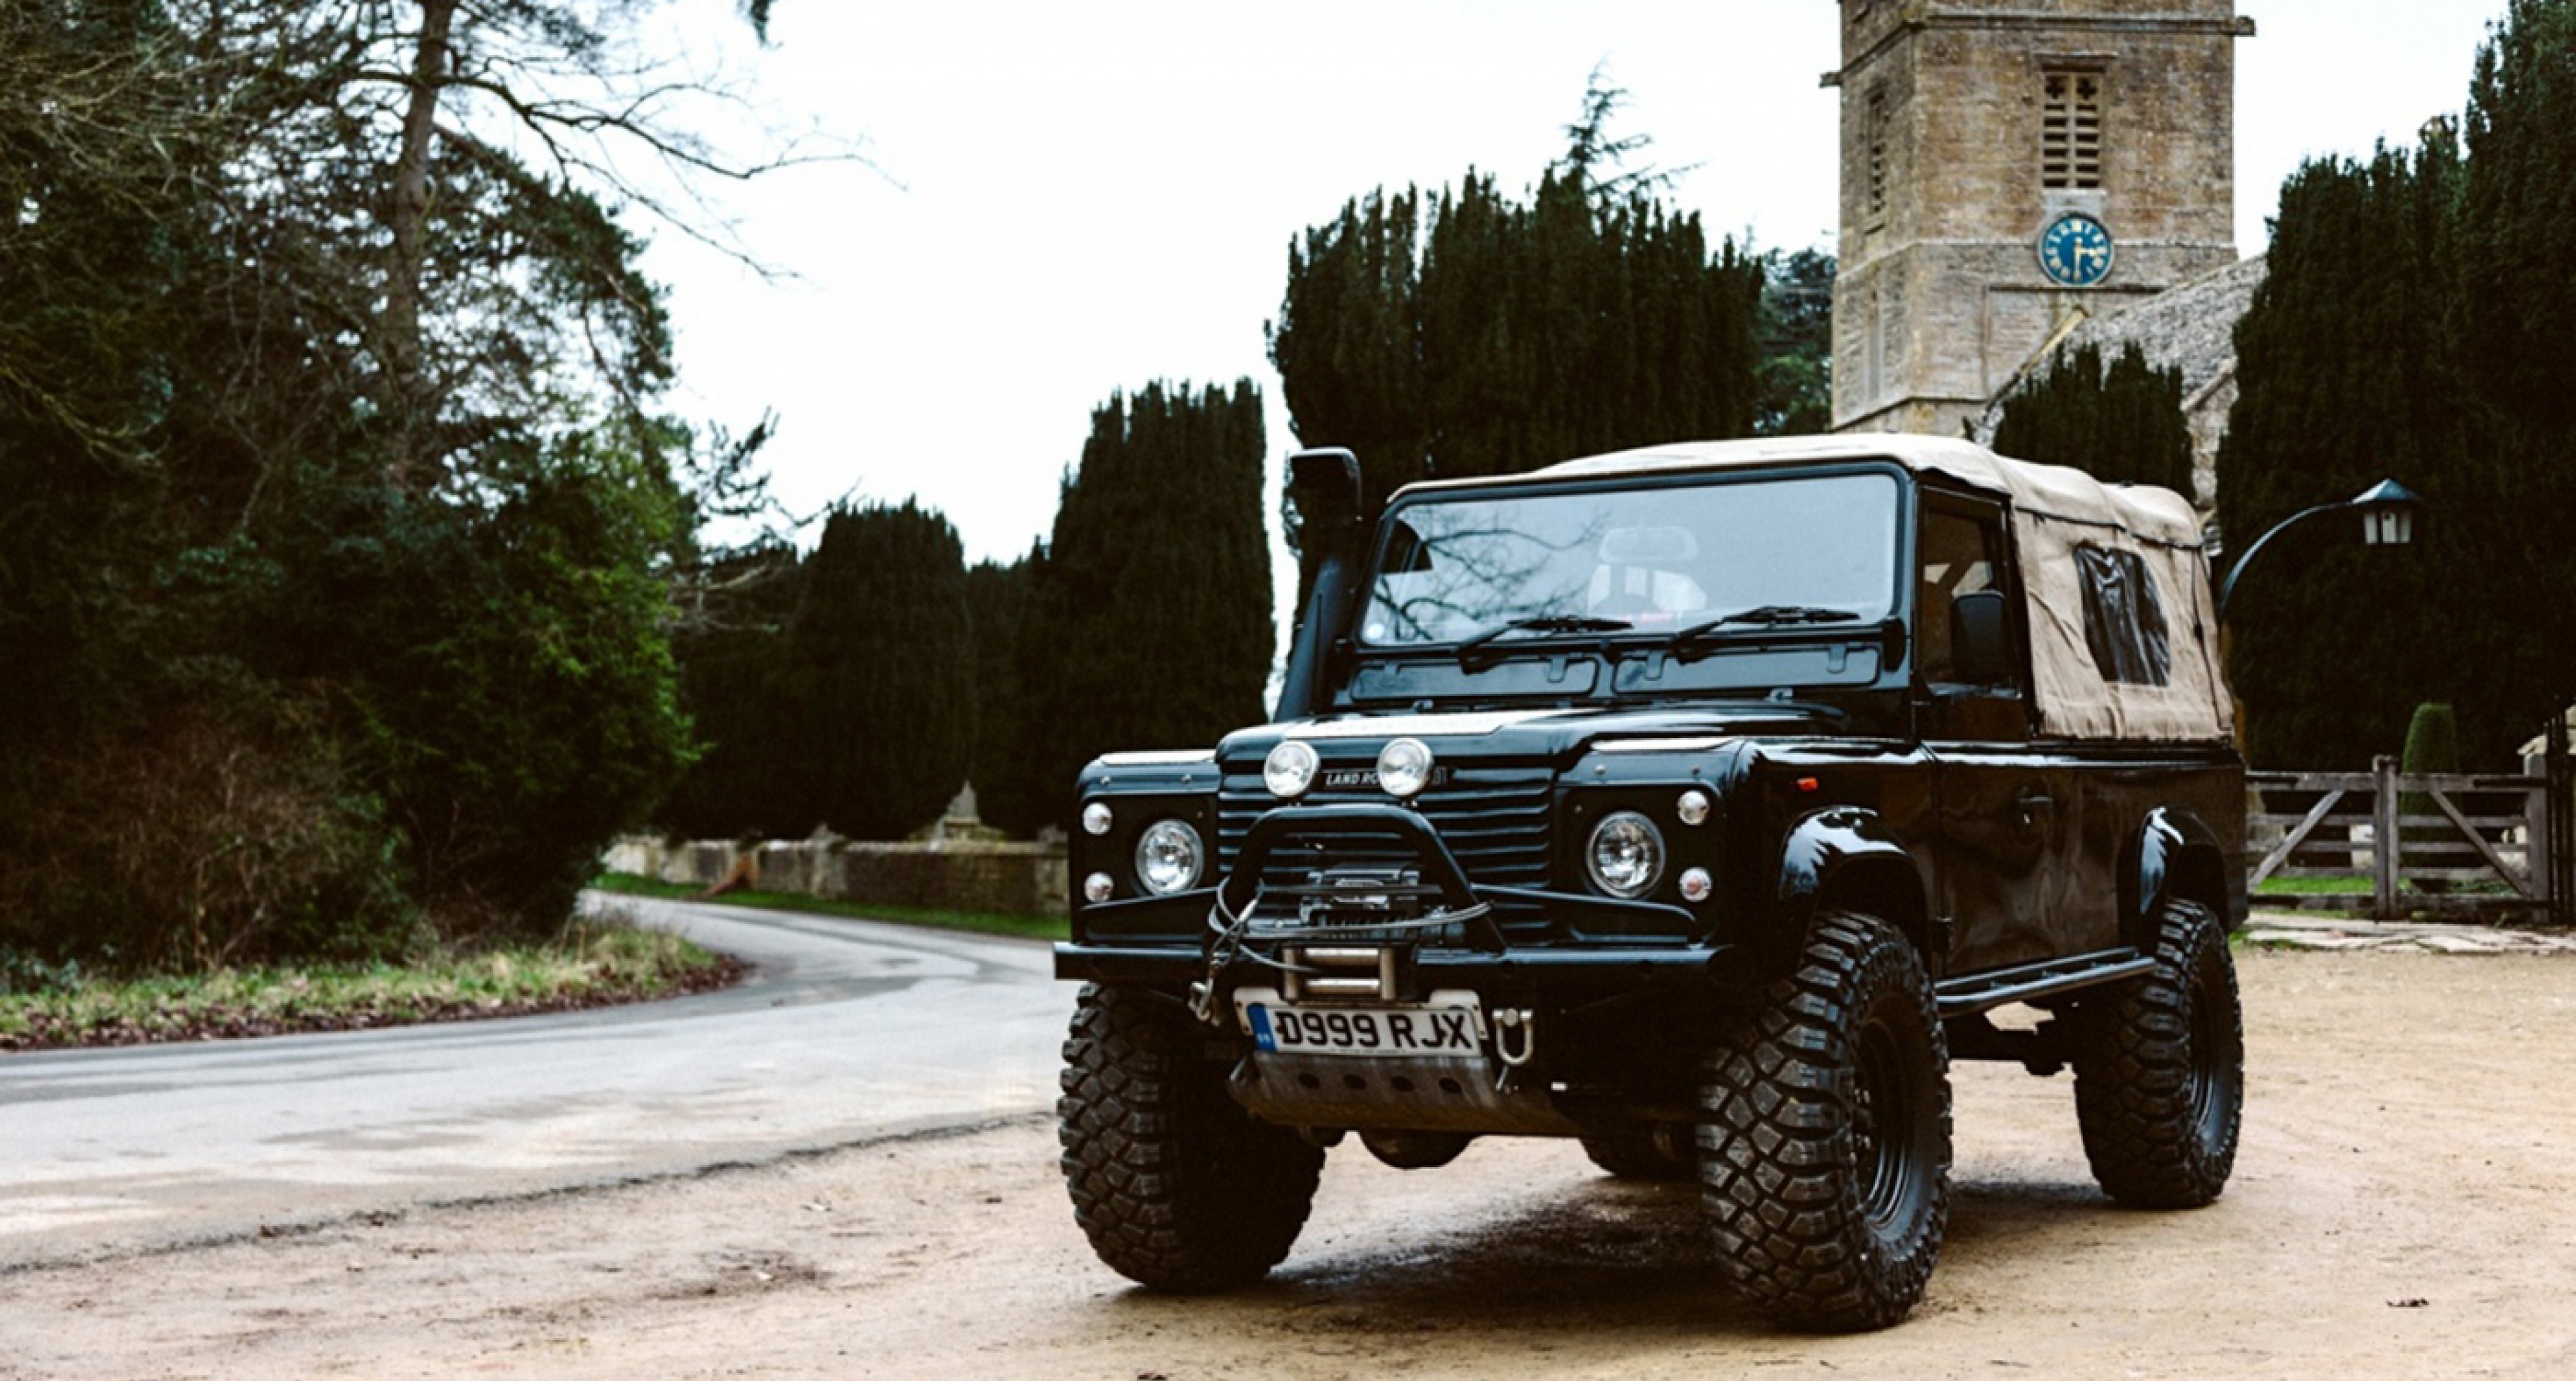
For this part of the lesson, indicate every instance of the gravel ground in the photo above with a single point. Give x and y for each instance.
(2400, 1208)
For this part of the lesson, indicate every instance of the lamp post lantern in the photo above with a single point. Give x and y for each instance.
(2387, 512)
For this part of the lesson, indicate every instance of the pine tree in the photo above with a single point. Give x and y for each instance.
(2121, 424)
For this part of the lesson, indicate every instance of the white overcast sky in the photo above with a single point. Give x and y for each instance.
(1080, 196)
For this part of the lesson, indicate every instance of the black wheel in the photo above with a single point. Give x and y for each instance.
(1826, 1151)
(2160, 1075)
(1639, 1155)
(1177, 1186)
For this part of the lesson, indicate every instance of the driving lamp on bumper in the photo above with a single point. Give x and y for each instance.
(1290, 769)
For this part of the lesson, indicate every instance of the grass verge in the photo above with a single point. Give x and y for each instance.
(989, 922)
(594, 966)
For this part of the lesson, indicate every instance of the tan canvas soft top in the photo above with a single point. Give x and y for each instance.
(2076, 538)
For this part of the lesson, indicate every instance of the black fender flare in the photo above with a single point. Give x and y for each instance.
(1847, 856)
(2173, 853)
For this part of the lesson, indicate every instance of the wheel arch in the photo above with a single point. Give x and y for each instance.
(2174, 856)
(1845, 858)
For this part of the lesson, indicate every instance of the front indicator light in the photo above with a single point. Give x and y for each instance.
(1097, 887)
(1696, 885)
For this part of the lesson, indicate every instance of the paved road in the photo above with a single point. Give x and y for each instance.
(849, 1030)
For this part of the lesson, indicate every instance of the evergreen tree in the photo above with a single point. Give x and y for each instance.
(2121, 424)
(2410, 327)
(338, 502)
(739, 784)
(2514, 242)
(878, 687)
(1796, 331)
(1491, 335)
(2346, 375)
(2516, 237)
(1008, 794)
(1148, 624)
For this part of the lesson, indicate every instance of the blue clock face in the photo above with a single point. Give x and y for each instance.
(2075, 250)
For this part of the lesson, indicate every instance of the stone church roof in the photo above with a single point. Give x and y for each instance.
(2191, 326)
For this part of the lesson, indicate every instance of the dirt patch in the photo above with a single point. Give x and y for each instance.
(2401, 1208)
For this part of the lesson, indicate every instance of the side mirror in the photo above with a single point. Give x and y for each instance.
(1981, 638)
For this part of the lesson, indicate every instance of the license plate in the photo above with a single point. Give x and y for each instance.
(1439, 1028)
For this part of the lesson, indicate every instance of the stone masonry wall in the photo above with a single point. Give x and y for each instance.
(1027, 879)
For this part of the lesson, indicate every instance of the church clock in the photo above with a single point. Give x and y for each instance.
(2075, 250)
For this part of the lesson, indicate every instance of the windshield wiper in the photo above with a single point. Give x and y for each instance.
(1766, 615)
(1542, 623)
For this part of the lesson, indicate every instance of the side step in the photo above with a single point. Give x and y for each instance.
(1960, 997)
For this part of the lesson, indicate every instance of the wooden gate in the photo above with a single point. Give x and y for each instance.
(2401, 844)
(2560, 836)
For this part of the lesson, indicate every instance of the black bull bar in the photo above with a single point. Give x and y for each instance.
(1171, 941)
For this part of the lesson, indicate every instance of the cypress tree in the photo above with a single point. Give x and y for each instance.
(730, 669)
(2514, 245)
(878, 690)
(1148, 623)
(2516, 240)
(1008, 794)
(2346, 376)
(2120, 424)
(1492, 335)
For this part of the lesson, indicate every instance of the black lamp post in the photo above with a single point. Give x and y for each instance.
(2387, 519)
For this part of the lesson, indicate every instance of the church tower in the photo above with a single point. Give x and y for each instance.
(2011, 168)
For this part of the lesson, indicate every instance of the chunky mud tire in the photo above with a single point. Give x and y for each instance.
(2160, 1075)
(1636, 1156)
(1825, 1153)
(1177, 1186)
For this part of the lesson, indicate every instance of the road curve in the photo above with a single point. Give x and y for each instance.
(846, 1031)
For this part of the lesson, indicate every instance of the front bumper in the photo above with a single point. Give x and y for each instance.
(1581, 948)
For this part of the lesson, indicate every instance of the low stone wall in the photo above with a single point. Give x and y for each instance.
(950, 875)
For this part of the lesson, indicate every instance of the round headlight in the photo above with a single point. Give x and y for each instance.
(1404, 767)
(1290, 768)
(1096, 818)
(1626, 858)
(1168, 857)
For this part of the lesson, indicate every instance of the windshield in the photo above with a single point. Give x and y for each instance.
(1654, 559)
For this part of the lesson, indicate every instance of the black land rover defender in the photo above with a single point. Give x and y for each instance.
(1701, 803)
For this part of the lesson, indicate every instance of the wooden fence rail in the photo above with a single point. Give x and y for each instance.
(2450, 842)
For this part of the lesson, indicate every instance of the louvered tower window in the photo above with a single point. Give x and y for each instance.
(2070, 131)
